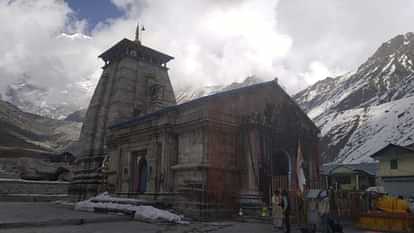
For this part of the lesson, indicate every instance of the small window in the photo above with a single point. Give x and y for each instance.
(394, 164)
(133, 53)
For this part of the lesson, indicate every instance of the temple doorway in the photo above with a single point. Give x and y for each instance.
(139, 172)
(281, 171)
(143, 175)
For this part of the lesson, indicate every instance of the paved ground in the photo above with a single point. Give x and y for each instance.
(134, 226)
(102, 223)
(27, 213)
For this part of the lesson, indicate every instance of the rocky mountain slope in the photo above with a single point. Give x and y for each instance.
(42, 101)
(362, 111)
(77, 116)
(25, 130)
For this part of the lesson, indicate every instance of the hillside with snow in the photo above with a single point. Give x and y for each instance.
(360, 132)
(362, 111)
(20, 129)
(43, 101)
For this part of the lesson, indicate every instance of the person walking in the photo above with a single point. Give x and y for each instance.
(286, 211)
(324, 210)
(277, 211)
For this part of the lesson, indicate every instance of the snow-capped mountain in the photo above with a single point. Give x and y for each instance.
(48, 102)
(354, 134)
(362, 111)
(37, 100)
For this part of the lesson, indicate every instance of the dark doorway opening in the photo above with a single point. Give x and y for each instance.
(139, 172)
(281, 170)
(143, 175)
(281, 164)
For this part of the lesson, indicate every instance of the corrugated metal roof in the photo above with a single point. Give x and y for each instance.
(369, 168)
(408, 148)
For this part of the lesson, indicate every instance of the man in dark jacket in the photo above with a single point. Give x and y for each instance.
(286, 210)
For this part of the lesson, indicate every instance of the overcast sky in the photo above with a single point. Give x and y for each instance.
(213, 41)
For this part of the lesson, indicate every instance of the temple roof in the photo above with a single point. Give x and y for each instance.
(199, 100)
(136, 120)
(399, 148)
(124, 44)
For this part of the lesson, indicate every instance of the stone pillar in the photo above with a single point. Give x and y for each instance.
(357, 182)
(250, 196)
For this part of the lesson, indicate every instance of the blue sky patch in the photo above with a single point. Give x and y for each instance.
(94, 11)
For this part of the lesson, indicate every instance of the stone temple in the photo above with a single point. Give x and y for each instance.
(206, 156)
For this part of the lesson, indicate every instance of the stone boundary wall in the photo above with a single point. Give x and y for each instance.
(20, 186)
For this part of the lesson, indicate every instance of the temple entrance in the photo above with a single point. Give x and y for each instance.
(139, 172)
(143, 175)
(281, 171)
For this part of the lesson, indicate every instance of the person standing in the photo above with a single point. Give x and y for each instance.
(312, 213)
(323, 210)
(286, 211)
(277, 210)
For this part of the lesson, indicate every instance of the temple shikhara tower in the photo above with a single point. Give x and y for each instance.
(134, 82)
(207, 156)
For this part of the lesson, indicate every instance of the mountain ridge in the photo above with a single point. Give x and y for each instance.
(30, 131)
(383, 82)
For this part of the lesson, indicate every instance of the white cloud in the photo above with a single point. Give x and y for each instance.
(317, 71)
(31, 48)
(215, 42)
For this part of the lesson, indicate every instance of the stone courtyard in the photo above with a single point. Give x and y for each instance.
(26, 217)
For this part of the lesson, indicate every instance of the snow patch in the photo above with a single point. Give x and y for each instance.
(141, 212)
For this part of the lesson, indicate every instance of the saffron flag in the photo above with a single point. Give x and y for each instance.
(300, 173)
